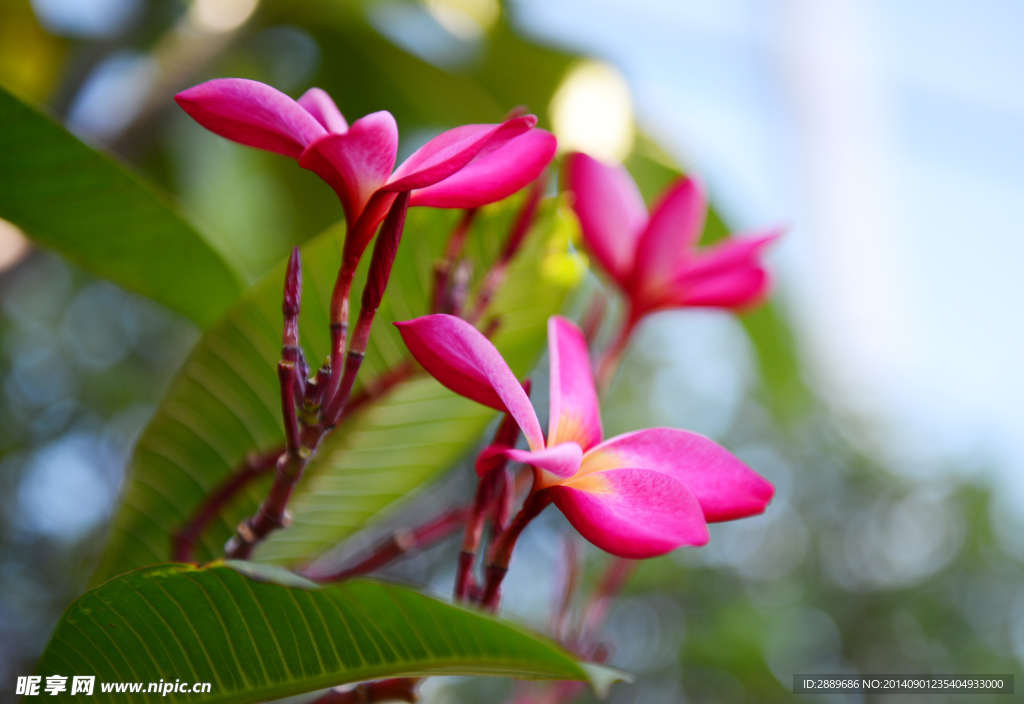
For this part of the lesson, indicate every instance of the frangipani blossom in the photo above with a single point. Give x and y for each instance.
(654, 258)
(464, 167)
(636, 495)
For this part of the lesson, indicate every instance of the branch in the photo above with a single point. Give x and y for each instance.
(495, 277)
(301, 447)
(493, 496)
(443, 269)
(400, 543)
(501, 553)
(384, 251)
(184, 539)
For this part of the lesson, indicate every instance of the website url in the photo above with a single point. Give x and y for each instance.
(34, 686)
(163, 688)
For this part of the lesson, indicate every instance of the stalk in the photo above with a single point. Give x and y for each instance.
(384, 252)
(400, 543)
(501, 553)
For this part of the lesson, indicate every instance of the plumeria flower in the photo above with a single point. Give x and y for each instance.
(636, 495)
(654, 258)
(465, 167)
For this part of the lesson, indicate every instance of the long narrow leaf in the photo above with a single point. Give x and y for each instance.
(254, 640)
(71, 199)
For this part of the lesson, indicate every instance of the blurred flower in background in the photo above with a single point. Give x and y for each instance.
(878, 393)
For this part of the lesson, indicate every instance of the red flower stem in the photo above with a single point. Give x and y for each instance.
(491, 489)
(495, 277)
(357, 236)
(501, 552)
(594, 317)
(400, 543)
(184, 539)
(400, 689)
(287, 376)
(464, 580)
(384, 251)
(458, 288)
(443, 270)
(339, 324)
(504, 496)
(290, 463)
(271, 514)
(291, 351)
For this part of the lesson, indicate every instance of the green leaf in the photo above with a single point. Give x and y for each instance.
(71, 199)
(256, 639)
(225, 400)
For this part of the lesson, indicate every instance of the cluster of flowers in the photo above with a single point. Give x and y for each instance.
(635, 495)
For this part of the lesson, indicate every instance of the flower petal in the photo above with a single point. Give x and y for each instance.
(318, 104)
(727, 275)
(562, 461)
(725, 487)
(460, 357)
(635, 513)
(738, 289)
(575, 414)
(611, 211)
(251, 113)
(493, 176)
(450, 151)
(677, 221)
(355, 163)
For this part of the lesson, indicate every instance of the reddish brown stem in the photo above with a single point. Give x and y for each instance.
(287, 377)
(594, 317)
(290, 349)
(383, 258)
(492, 493)
(339, 326)
(495, 277)
(272, 513)
(401, 689)
(400, 543)
(184, 540)
(458, 289)
(443, 270)
(504, 497)
(464, 581)
(357, 235)
(501, 552)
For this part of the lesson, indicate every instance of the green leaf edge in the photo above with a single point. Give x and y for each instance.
(599, 677)
(218, 293)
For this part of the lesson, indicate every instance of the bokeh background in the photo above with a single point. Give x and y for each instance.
(880, 391)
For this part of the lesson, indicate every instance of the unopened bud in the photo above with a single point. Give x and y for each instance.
(293, 285)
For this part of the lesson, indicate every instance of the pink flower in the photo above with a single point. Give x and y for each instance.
(654, 258)
(636, 495)
(465, 167)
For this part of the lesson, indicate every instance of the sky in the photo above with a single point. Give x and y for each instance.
(890, 137)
